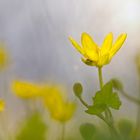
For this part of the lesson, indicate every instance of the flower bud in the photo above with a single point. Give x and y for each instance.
(78, 89)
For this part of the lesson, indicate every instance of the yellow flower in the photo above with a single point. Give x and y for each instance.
(26, 90)
(2, 105)
(94, 55)
(3, 57)
(59, 109)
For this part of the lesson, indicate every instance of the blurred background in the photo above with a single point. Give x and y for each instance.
(36, 36)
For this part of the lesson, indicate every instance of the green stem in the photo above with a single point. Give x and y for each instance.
(63, 131)
(100, 77)
(134, 100)
(83, 102)
(87, 106)
(108, 115)
(110, 125)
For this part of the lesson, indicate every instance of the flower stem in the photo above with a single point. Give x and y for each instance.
(108, 119)
(132, 99)
(83, 102)
(100, 77)
(63, 131)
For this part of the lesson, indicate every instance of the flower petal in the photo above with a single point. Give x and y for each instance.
(88, 42)
(59, 109)
(103, 60)
(91, 55)
(118, 44)
(69, 111)
(2, 105)
(26, 90)
(107, 44)
(76, 45)
(89, 46)
(4, 56)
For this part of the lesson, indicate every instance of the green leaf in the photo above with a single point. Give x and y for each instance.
(96, 109)
(114, 101)
(117, 84)
(87, 131)
(103, 96)
(78, 89)
(34, 128)
(103, 99)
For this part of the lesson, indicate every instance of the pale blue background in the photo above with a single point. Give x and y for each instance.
(36, 33)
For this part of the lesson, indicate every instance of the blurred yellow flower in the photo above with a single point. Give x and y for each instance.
(26, 90)
(95, 55)
(53, 100)
(2, 105)
(59, 109)
(3, 56)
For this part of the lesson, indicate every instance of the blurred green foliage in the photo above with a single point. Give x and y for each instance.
(117, 84)
(34, 128)
(126, 129)
(87, 131)
(91, 132)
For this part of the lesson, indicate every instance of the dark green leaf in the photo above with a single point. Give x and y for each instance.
(87, 131)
